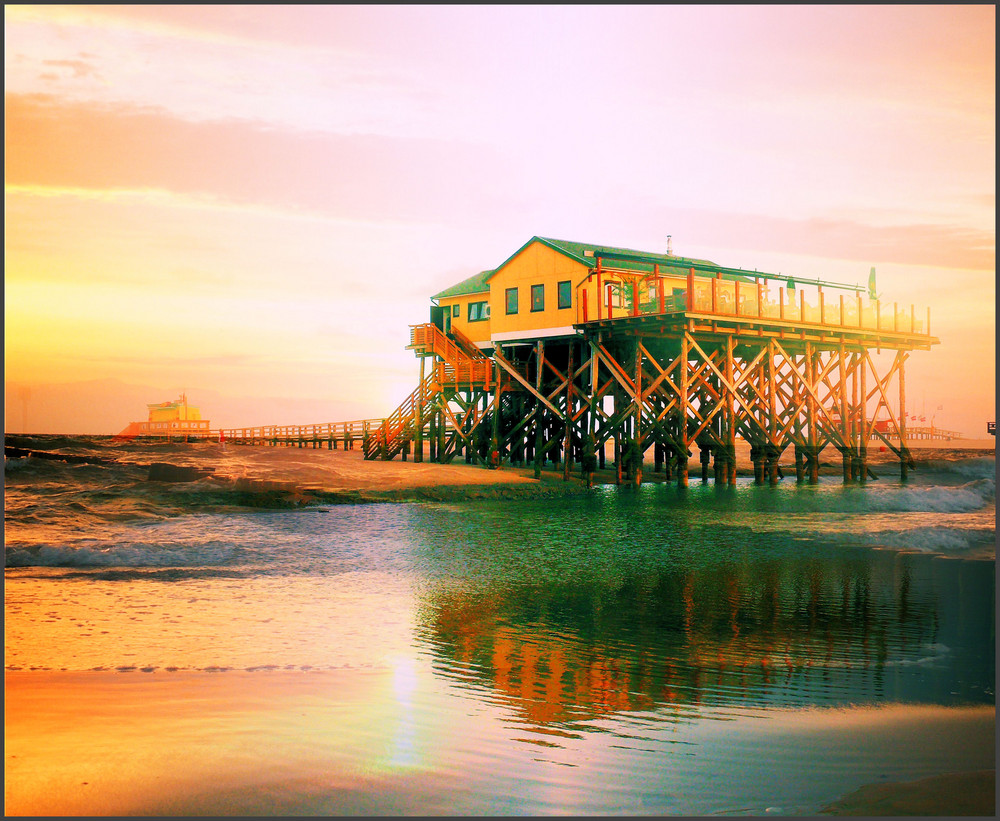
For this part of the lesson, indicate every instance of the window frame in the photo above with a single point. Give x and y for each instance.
(482, 311)
(540, 290)
(559, 294)
(456, 309)
(507, 301)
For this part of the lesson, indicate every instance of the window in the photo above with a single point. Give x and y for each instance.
(456, 309)
(565, 295)
(511, 300)
(537, 297)
(616, 294)
(479, 311)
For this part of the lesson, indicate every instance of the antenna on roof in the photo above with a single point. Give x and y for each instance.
(670, 245)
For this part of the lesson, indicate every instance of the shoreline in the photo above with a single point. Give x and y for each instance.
(260, 476)
(46, 704)
(345, 477)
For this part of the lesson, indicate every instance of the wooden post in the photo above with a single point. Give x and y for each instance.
(863, 437)
(432, 436)
(539, 407)
(597, 290)
(812, 453)
(637, 434)
(497, 401)
(772, 417)
(690, 290)
(442, 432)
(682, 457)
(903, 450)
(845, 414)
(730, 412)
(567, 440)
(418, 445)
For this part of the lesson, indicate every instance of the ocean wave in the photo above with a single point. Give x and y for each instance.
(128, 555)
(875, 498)
(939, 539)
(979, 467)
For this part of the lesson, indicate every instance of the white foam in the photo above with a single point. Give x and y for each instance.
(933, 539)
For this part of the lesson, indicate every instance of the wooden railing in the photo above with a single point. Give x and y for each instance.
(332, 433)
(388, 438)
(458, 367)
(615, 293)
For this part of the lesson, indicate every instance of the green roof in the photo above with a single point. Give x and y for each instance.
(475, 284)
(638, 260)
(587, 253)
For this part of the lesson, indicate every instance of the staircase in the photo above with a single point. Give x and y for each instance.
(461, 364)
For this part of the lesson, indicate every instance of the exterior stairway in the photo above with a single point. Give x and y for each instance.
(458, 363)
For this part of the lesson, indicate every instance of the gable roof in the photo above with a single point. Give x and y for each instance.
(586, 254)
(473, 285)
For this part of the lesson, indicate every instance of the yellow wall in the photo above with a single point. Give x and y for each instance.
(535, 265)
(477, 331)
(169, 414)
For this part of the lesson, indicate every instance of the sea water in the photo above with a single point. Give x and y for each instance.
(711, 650)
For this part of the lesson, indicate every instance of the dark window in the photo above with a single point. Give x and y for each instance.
(537, 297)
(511, 299)
(456, 309)
(479, 311)
(565, 294)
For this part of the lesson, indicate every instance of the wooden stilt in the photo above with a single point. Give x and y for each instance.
(682, 463)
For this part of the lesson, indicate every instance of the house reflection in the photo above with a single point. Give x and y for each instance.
(754, 635)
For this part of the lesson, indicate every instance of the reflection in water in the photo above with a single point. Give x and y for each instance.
(777, 629)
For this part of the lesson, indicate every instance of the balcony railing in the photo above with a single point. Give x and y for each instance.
(612, 293)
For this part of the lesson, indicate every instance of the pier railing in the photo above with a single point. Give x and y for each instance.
(617, 293)
(330, 433)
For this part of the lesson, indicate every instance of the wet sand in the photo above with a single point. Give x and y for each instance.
(951, 794)
(346, 477)
(82, 743)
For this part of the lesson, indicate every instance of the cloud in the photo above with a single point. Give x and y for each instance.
(49, 143)
(925, 244)
(80, 68)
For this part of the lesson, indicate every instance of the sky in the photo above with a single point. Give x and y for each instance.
(252, 204)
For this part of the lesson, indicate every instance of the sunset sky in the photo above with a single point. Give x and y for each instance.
(253, 203)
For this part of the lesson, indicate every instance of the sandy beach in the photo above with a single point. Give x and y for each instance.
(133, 738)
(345, 476)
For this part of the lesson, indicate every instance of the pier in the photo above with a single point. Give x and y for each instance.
(569, 353)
